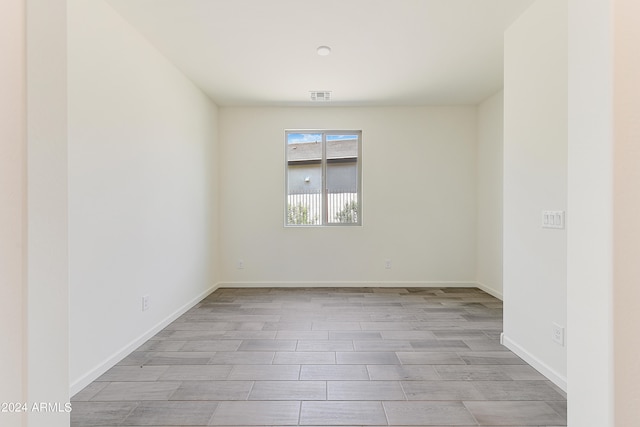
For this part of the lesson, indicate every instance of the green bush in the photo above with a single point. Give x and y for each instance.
(299, 215)
(349, 213)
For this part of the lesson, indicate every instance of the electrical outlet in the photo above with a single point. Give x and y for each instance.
(387, 264)
(146, 302)
(240, 264)
(557, 334)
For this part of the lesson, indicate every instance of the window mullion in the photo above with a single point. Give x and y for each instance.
(325, 195)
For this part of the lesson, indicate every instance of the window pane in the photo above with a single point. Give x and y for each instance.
(304, 179)
(342, 179)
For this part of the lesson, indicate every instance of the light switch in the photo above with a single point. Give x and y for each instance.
(553, 219)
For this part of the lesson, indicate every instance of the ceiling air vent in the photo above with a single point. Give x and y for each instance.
(323, 95)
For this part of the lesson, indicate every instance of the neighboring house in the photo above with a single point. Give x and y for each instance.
(305, 168)
(304, 180)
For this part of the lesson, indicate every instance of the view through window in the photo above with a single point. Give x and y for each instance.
(323, 178)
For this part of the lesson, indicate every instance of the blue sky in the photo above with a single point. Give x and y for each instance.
(297, 138)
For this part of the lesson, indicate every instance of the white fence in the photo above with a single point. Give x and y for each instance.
(306, 208)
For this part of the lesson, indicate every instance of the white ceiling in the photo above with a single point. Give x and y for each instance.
(384, 52)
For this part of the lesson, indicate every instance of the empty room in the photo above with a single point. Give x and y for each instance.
(319, 213)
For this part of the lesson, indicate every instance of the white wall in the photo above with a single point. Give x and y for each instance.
(626, 232)
(12, 197)
(590, 252)
(47, 267)
(419, 198)
(142, 190)
(535, 179)
(603, 188)
(489, 188)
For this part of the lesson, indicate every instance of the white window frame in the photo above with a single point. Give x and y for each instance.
(324, 219)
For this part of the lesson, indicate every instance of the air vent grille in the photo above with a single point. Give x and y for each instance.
(321, 95)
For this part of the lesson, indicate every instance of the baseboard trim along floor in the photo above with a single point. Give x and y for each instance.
(111, 361)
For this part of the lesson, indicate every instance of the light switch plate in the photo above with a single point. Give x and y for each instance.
(553, 219)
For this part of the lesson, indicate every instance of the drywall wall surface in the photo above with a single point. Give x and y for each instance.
(47, 255)
(626, 197)
(419, 199)
(535, 180)
(489, 197)
(590, 230)
(12, 203)
(142, 189)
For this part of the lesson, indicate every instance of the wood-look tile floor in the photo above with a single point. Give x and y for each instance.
(327, 357)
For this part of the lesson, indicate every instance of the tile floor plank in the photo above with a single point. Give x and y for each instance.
(136, 391)
(264, 372)
(133, 373)
(212, 390)
(429, 358)
(398, 372)
(441, 390)
(100, 413)
(342, 413)
(196, 373)
(289, 390)
(171, 413)
(514, 413)
(242, 358)
(305, 358)
(367, 358)
(517, 390)
(324, 345)
(256, 413)
(428, 413)
(364, 390)
(334, 372)
(268, 345)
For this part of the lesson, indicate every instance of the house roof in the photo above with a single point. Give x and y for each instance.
(310, 151)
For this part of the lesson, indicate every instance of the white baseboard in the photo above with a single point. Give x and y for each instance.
(108, 363)
(543, 368)
(490, 291)
(363, 284)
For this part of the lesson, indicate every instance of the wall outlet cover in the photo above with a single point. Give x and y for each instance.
(557, 334)
(146, 303)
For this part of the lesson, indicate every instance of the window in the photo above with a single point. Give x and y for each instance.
(323, 178)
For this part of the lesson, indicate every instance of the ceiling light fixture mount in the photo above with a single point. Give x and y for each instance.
(323, 50)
